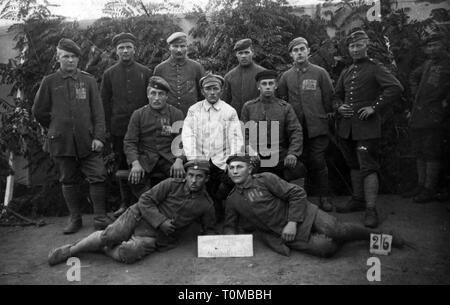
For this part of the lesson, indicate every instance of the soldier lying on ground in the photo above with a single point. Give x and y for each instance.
(155, 222)
(283, 216)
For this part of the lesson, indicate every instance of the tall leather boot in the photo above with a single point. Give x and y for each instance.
(72, 198)
(421, 175)
(125, 198)
(356, 202)
(97, 193)
(428, 193)
(322, 181)
(371, 186)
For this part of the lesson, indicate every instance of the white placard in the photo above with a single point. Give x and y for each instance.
(225, 245)
(380, 244)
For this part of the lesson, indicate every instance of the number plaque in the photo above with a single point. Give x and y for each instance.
(380, 244)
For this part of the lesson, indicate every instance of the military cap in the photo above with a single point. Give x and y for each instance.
(124, 37)
(211, 78)
(266, 74)
(158, 82)
(177, 37)
(355, 36)
(197, 164)
(240, 157)
(69, 46)
(297, 41)
(242, 44)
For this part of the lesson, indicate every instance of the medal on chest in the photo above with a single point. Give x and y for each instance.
(309, 84)
(80, 91)
(254, 195)
(166, 128)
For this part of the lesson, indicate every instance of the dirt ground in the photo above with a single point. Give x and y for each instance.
(23, 256)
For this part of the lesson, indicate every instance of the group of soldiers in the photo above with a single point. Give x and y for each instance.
(180, 134)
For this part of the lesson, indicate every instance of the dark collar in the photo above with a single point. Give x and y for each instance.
(361, 60)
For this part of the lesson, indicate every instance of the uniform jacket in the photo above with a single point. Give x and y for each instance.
(308, 88)
(172, 199)
(150, 135)
(269, 203)
(123, 90)
(431, 82)
(290, 136)
(240, 85)
(365, 83)
(69, 106)
(183, 80)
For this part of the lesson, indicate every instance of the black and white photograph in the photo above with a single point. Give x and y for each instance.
(224, 149)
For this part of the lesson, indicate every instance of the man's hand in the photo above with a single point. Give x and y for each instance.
(137, 173)
(177, 169)
(97, 145)
(289, 231)
(167, 227)
(290, 161)
(365, 112)
(346, 111)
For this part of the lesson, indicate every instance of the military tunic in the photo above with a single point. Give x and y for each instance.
(123, 90)
(69, 105)
(150, 135)
(240, 85)
(365, 83)
(309, 90)
(290, 137)
(431, 83)
(269, 203)
(183, 80)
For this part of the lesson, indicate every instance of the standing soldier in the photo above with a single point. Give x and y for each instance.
(287, 144)
(362, 91)
(123, 90)
(68, 104)
(309, 89)
(431, 85)
(240, 85)
(182, 74)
